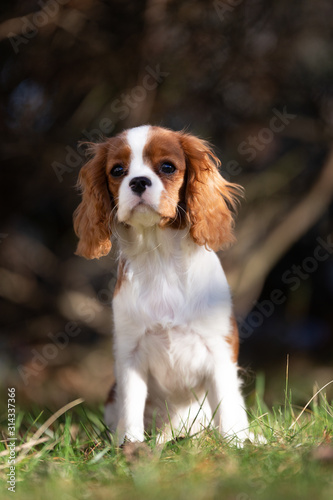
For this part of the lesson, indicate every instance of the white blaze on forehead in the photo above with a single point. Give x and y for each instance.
(137, 139)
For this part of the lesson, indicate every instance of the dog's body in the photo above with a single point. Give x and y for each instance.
(175, 339)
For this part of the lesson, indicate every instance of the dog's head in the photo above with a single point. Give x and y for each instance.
(149, 176)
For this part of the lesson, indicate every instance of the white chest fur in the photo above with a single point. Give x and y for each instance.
(173, 309)
(169, 280)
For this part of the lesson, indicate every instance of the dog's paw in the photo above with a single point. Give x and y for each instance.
(256, 438)
(240, 438)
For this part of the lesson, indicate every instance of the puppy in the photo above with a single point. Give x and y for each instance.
(160, 195)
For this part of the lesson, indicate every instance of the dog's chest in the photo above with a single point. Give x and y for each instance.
(160, 296)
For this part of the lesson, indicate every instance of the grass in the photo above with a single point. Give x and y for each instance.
(69, 456)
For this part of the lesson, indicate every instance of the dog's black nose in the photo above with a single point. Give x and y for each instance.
(139, 184)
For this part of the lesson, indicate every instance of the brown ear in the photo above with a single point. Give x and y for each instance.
(210, 199)
(92, 218)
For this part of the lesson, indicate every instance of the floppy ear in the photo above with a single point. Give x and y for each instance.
(210, 199)
(92, 218)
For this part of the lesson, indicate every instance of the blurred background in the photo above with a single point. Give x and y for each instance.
(254, 77)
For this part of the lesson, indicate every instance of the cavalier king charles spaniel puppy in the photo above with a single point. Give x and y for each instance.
(160, 195)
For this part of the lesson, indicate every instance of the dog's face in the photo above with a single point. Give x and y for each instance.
(150, 176)
(145, 173)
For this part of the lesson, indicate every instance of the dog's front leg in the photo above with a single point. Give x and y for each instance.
(132, 380)
(226, 401)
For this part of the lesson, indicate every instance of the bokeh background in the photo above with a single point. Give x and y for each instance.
(254, 77)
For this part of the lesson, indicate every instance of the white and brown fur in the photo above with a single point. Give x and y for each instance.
(175, 337)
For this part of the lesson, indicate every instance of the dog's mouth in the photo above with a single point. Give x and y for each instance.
(143, 206)
(144, 214)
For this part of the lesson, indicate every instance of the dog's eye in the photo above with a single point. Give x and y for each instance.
(167, 168)
(117, 170)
